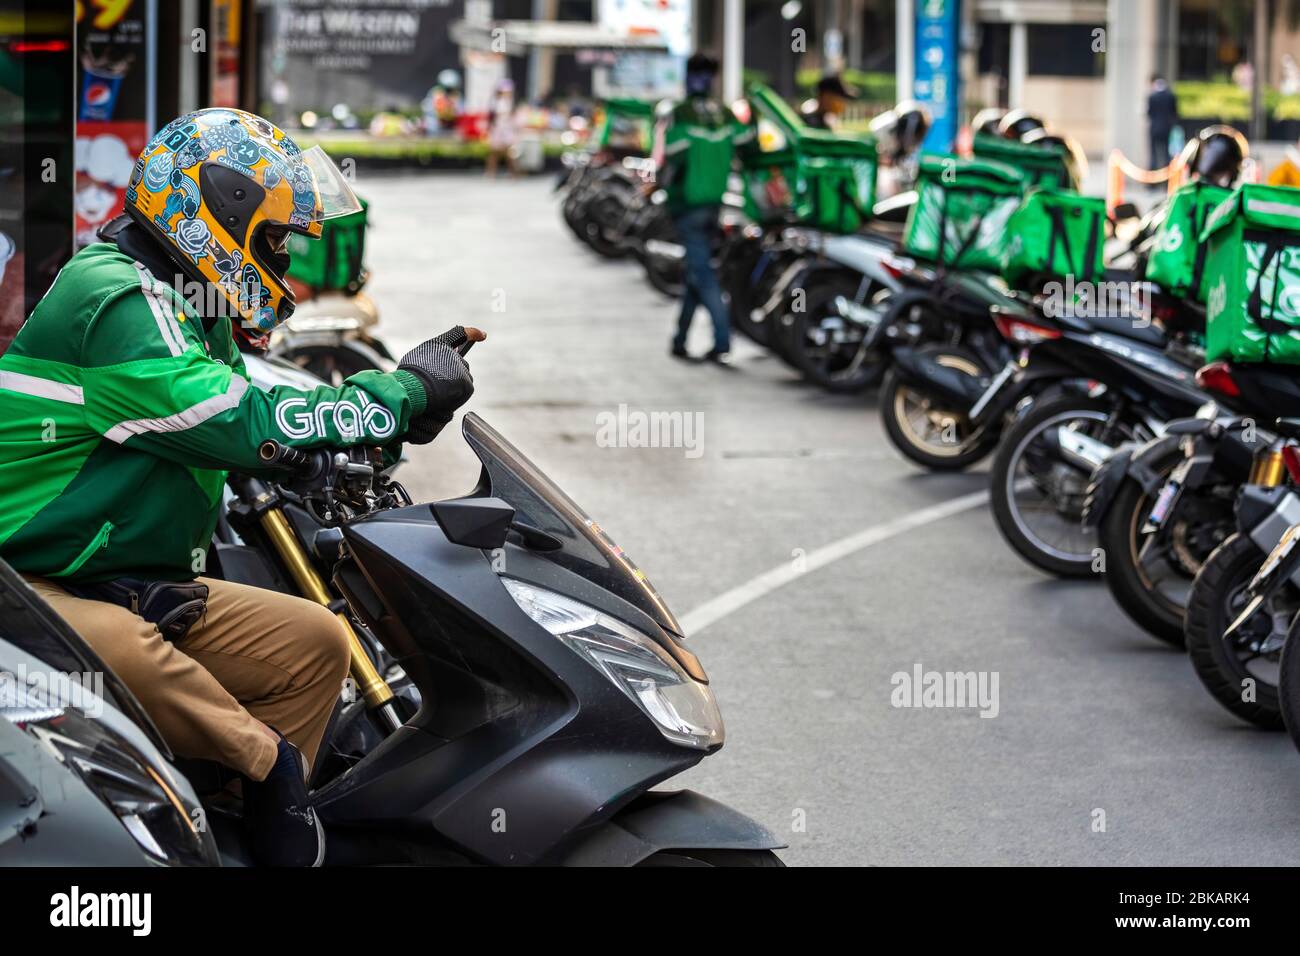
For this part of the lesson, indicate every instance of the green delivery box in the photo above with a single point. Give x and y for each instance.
(1040, 165)
(835, 181)
(334, 261)
(1177, 255)
(831, 176)
(1055, 234)
(769, 179)
(961, 211)
(626, 124)
(1251, 279)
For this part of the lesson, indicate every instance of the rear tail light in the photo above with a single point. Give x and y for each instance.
(1217, 377)
(1021, 332)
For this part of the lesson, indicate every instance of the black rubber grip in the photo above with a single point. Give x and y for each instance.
(273, 453)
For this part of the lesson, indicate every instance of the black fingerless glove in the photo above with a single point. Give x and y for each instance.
(444, 379)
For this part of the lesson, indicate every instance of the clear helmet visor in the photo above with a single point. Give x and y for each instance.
(334, 195)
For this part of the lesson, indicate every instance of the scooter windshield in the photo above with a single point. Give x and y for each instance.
(538, 502)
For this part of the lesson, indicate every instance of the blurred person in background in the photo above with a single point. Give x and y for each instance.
(503, 130)
(1162, 116)
(1287, 172)
(826, 109)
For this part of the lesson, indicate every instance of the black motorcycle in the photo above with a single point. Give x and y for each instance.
(1095, 384)
(1162, 508)
(1246, 595)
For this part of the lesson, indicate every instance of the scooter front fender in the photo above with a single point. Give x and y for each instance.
(670, 820)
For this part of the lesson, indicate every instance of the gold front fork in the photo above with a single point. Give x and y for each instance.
(377, 693)
(1268, 469)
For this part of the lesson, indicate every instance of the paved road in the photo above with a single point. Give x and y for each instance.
(1093, 715)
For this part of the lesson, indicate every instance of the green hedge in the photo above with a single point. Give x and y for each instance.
(1227, 101)
(408, 149)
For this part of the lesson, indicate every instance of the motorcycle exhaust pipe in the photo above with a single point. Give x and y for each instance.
(1076, 448)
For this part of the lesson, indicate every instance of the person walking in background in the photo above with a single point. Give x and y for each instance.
(694, 147)
(1162, 116)
(833, 97)
(503, 130)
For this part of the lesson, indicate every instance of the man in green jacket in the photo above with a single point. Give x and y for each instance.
(696, 143)
(124, 400)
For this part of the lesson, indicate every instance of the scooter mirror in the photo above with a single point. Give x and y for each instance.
(474, 522)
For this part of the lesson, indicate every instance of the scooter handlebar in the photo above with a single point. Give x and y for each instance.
(276, 455)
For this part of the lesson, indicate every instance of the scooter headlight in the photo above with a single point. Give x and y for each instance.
(153, 813)
(682, 708)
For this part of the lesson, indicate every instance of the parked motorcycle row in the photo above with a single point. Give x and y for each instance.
(1135, 379)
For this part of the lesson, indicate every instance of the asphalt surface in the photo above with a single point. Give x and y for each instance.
(1093, 715)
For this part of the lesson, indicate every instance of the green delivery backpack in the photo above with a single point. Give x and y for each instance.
(1040, 165)
(1055, 234)
(961, 212)
(1177, 256)
(334, 261)
(1251, 280)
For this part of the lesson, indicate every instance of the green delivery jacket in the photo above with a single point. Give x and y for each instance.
(700, 138)
(119, 418)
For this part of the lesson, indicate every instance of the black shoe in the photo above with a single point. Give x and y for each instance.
(679, 351)
(720, 358)
(283, 827)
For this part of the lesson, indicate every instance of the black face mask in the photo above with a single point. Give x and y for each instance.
(277, 261)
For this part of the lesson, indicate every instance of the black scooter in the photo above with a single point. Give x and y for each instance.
(521, 688)
(517, 685)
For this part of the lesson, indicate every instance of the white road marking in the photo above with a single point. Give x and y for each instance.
(714, 610)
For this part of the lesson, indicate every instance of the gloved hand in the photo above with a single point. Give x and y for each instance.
(445, 379)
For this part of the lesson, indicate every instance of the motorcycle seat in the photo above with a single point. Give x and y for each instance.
(1150, 333)
(1274, 389)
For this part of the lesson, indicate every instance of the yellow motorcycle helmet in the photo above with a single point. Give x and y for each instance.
(222, 189)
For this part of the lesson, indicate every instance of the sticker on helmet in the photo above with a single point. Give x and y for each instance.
(191, 237)
(157, 172)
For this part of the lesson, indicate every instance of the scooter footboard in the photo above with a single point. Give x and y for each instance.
(670, 820)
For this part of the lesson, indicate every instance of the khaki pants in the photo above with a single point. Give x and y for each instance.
(258, 655)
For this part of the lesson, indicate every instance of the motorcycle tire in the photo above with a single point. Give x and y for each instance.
(1288, 684)
(1209, 612)
(1006, 514)
(895, 393)
(604, 213)
(1120, 539)
(801, 332)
